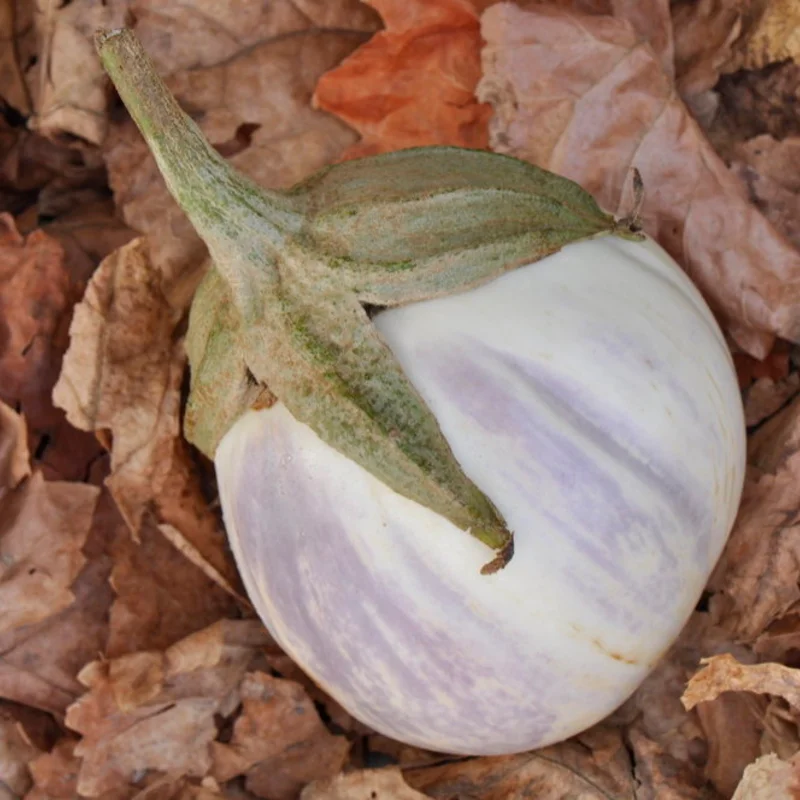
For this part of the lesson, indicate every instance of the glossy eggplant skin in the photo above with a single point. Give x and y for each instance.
(592, 398)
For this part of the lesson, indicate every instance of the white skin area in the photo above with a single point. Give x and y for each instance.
(592, 398)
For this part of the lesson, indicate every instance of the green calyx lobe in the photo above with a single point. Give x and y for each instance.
(281, 315)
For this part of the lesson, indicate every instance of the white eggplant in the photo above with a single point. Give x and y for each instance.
(591, 396)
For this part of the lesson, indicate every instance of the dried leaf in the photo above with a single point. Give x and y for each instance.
(70, 94)
(412, 84)
(195, 34)
(771, 171)
(12, 85)
(379, 784)
(14, 455)
(589, 766)
(40, 662)
(755, 103)
(155, 711)
(16, 753)
(723, 673)
(671, 751)
(704, 35)
(767, 396)
(33, 299)
(549, 64)
(278, 741)
(161, 596)
(774, 36)
(729, 755)
(255, 107)
(123, 373)
(769, 778)
(55, 774)
(756, 581)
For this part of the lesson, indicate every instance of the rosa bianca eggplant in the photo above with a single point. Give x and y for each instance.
(592, 397)
(544, 388)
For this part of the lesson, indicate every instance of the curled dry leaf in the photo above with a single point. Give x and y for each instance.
(123, 373)
(255, 107)
(381, 784)
(70, 93)
(156, 710)
(723, 673)
(278, 741)
(756, 582)
(594, 765)
(770, 778)
(550, 64)
(413, 83)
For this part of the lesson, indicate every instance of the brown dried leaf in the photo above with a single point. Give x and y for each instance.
(161, 596)
(592, 765)
(704, 35)
(55, 774)
(380, 784)
(278, 741)
(771, 171)
(672, 754)
(194, 34)
(729, 755)
(70, 92)
(756, 102)
(255, 107)
(723, 673)
(123, 373)
(33, 299)
(769, 778)
(756, 580)
(40, 662)
(549, 64)
(14, 455)
(413, 83)
(12, 85)
(16, 753)
(773, 36)
(155, 711)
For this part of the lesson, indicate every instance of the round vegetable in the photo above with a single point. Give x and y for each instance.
(592, 398)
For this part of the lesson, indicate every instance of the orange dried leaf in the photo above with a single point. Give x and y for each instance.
(585, 97)
(412, 84)
(724, 673)
(14, 455)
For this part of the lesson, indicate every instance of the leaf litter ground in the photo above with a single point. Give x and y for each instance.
(131, 666)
